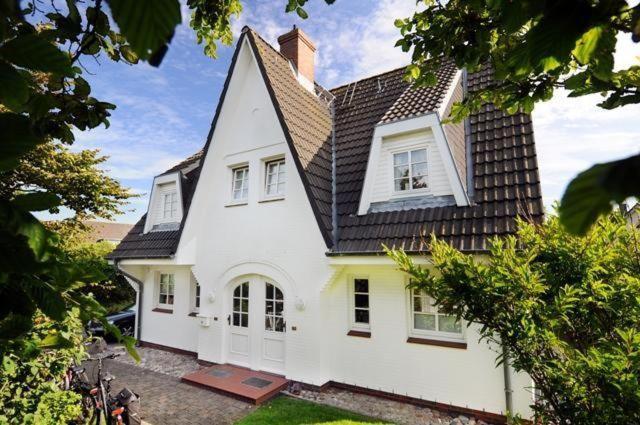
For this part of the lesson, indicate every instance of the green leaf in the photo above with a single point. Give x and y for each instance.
(33, 52)
(128, 54)
(17, 136)
(587, 45)
(302, 13)
(146, 24)
(54, 340)
(38, 201)
(592, 192)
(14, 90)
(82, 88)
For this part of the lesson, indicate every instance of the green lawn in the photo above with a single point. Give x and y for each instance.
(291, 411)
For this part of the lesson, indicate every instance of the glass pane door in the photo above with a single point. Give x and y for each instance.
(241, 305)
(274, 309)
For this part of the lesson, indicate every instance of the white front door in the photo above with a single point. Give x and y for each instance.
(257, 325)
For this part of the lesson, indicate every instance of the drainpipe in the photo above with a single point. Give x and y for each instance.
(334, 174)
(508, 390)
(137, 285)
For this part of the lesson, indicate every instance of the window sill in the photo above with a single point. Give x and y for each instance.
(438, 342)
(360, 334)
(236, 204)
(163, 310)
(271, 199)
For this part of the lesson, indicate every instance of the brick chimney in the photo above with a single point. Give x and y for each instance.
(298, 48)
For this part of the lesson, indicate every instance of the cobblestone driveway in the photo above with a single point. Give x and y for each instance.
(167, 401)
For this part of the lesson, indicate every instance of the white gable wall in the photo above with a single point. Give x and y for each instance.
(279, 239)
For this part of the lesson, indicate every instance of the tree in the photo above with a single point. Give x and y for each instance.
(565, 307)
(536, 47)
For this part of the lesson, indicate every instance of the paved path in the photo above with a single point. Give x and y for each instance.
(167, 401)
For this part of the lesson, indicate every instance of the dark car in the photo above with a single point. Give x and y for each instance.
(124, 320)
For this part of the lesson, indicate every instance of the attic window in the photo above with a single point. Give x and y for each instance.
(410, 170)
(170, 205)
(240, 188)
(275, 178)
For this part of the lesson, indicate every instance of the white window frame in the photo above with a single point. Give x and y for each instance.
(196, 295)
(352, 304)
(159, 293)
(172, 198)
(411, 190)
(245, 183)
(431, 334)
(281, 169)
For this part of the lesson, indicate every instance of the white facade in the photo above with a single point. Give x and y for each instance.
(272, 245)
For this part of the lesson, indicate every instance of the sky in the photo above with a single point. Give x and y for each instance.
(163, 114)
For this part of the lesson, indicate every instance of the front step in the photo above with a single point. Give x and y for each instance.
(243, 384)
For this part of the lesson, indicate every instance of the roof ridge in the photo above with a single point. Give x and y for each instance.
(369, 77)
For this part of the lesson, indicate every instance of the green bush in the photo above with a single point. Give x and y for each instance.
(59, 407)
(566, 308)
(31, 378)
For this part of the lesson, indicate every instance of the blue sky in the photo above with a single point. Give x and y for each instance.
(164, 113)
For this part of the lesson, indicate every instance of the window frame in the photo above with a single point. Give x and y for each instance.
(196, 295)
(245, 183)
(159, 292)
(173, 205)
(408, 150)
(282, 165)
(431, 334)
(353, 324)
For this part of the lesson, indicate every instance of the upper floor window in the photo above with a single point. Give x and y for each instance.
(361, 303)
(170, 205)
(427, 320)
(166, 289)
(410, 170)
(240, 184)
(275, 178)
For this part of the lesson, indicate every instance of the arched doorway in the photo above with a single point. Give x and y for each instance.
(256, 324)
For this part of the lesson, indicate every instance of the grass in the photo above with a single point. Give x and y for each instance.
(290, 411)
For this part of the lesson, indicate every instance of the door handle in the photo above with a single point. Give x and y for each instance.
(229, 319)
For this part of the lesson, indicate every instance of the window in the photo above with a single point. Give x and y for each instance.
(195, 295)
(274, 309)
(241, 305)
(165, 291)
(275, 178)
(170, 205)
(240, 185)
(410, 170)
(361, 303)
(426, 320)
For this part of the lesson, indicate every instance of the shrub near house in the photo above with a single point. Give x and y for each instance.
(566, 308)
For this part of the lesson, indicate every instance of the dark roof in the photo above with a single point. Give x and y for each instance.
(505, 175)
(505, 184)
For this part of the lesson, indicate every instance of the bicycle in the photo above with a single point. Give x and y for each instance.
(99, 406)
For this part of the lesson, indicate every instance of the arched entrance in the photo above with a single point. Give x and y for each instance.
(256, 324)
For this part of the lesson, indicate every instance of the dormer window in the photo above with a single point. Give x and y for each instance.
(240, 185)
(170, 205)
(410, 170)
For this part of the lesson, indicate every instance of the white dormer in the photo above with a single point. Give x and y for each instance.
(411, 165)
(165, 204)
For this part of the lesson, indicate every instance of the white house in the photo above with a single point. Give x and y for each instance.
(265, 249)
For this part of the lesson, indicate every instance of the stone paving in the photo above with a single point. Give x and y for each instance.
(173, 364)
(167, 400)
(388, 410)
